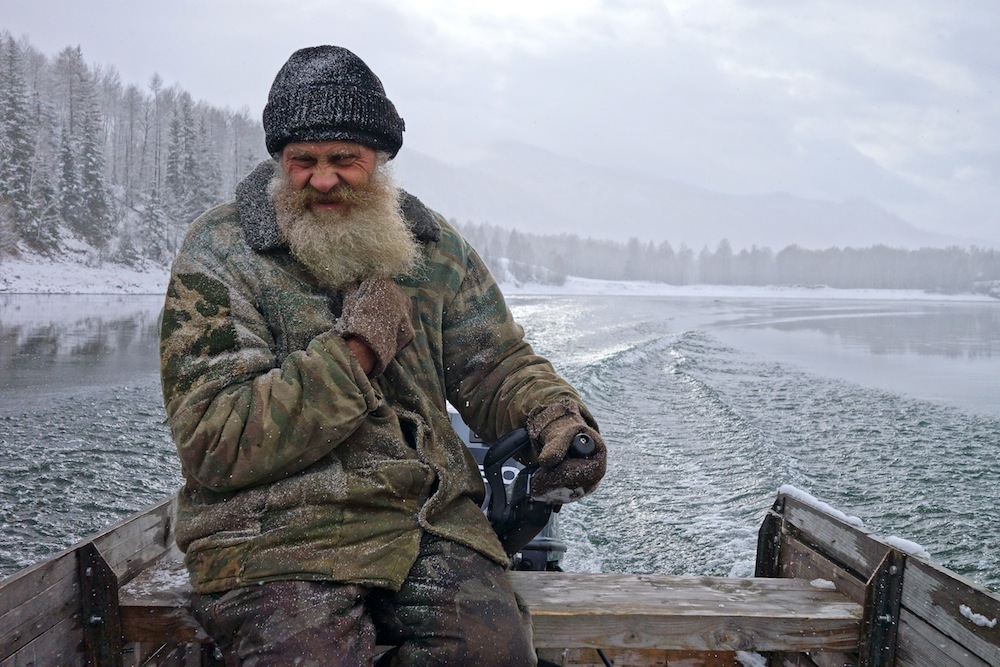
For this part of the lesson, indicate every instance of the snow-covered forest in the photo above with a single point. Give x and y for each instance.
(106, 171)
(95, 171)
(530, 257)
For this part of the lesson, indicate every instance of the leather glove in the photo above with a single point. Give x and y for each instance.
(560, 478)
(378, 313)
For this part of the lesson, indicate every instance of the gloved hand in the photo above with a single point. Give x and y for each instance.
(560, 478)
(378, 313)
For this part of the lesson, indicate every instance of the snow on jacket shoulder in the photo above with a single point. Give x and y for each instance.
(296, 465)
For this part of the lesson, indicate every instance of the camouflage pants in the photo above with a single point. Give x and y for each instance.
(455, 608)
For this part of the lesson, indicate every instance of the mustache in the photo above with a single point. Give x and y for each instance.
(341, 194)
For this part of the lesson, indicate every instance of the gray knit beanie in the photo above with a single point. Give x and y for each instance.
(326, 93)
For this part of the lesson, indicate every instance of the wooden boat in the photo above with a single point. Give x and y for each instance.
(826, 592)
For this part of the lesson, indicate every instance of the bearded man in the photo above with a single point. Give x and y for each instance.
(315, 330)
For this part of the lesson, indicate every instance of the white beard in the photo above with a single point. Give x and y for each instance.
(369, 239)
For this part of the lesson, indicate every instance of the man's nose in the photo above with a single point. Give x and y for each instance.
(324, 178)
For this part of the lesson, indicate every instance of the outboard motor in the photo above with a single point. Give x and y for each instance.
(527, 529)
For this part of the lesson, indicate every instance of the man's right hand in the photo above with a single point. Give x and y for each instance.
(564, 476)
(375, 323)
(366, 358)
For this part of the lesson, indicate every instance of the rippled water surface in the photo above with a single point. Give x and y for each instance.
(887, 410)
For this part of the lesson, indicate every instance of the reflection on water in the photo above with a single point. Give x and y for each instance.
(48, 342)
(953, 330)
(947, 352)
(82, 438)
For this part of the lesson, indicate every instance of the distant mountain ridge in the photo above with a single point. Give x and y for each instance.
(529, 189)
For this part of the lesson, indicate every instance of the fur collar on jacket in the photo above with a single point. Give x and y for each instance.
(260, 228)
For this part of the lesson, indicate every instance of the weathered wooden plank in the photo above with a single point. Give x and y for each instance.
(595, 610)
(827, 659)
(47, 595)
(769, 544)
(183, 655)
(147, 623)
(155, 604)
(686, 613)
(921, 644)
(58, 647)
(135, 654)
(137, 541)
(800, 561)
(165, 655)
(38, 599)
(587, 657)
(802, 660)
(938, 597)
(882, 605)
(853, 547)
(23, 586)
(101, 618)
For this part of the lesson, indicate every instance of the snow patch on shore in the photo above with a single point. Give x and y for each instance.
(593, 287)
(35, 275)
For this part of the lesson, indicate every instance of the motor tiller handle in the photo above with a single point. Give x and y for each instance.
(518, 519)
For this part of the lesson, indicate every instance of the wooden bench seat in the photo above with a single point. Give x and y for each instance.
(584, 610)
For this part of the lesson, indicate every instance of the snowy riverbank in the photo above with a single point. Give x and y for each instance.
(586, 286)
(35, 276)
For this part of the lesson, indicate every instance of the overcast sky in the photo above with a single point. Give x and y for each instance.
(892, 101)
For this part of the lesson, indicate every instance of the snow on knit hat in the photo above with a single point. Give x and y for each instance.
(326, 93)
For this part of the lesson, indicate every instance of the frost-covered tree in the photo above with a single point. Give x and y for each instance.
(191, 183)
(154, 120)
(69, 71)
(83, 153)
(83, 195)
(152, 237)
(41, 231)
(207, 174)
(8, 237)
(16, 146)
(130, 175)
(180, 145)
(97, 223)
(634, 268)
(69, 198)
(522, 257)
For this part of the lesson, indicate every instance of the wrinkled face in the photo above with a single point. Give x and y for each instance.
(337, 206)
(325, 166)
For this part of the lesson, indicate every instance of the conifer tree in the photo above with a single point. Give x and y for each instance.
(186, 184)
(69, 200)
(154, 244)
(173, 179)
(96, 222)
(16, 148)
(83, 197)
(517, 254)
(42, 231)
(209, 174)
(8, 237)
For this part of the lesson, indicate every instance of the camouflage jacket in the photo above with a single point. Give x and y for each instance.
(296, 465)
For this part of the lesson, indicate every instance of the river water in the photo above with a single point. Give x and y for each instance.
(888, 410)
